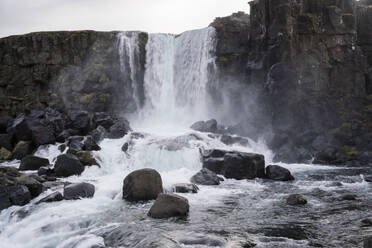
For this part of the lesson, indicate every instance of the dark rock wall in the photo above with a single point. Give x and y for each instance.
(64, 70)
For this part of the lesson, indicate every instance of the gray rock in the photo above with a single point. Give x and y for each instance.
(206, 177)
(296, 199)
(6, 141)
(90, 144)
(278, 173)
(169, 205)
(142, 185)
(243, 165)
(34, 187)
(56, 196)
(98, 134)
(68, 165)
(33, 163)
(22, 149)
(119, 129)
(78, 190)
(209, 126)
(80, 121)
(185, 188)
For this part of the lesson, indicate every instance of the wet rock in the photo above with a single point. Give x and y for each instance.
(98, 134)
(366, 222)
(349, 197)
(185, 188)
(102, 119)
(119, 129)
(142, 185)
(169, 205)
(278, 173)
(22, 149)
(230, 140)
(54, 197)
(205, 126)
(80, 121)
(20, 128)
(65, 134)
(78, 190)
(6, 141)
(327, 156)
(34, 187)
(76, 142)
(5, 154)
(90, 144)
(41, 133)
(367, 242)
(62, 147)
(368, 178)
(243, 165)
(206, 177)
(125, 147)
(19, 195)
(55, 120)
(203, 240)
(289, 231)
(85, 157)
(214, 164)
(68, 165)
(33, 163)
(45, 171)
(296, 199)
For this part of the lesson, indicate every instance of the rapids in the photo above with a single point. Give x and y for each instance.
(233, 214)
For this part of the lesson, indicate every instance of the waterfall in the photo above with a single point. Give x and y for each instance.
(178, 73)
(129, 61)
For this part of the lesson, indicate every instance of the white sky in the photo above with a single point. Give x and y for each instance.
(166, 16)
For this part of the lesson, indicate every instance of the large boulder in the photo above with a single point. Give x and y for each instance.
(142, 185)
(5, 154)
(169, 205)
(33, 163)
(278, 173)
(34, 186)
(119, 129)
(41, 133)
(78, 190)
(68, 165)
(80, 121)
(20, 128)
(56, 196)
(206, 177)
(98, 134)
(102, 119)
(205, 126)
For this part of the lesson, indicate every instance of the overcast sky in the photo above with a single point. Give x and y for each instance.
(166, 16)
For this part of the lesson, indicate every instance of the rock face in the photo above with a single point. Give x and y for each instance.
(142, 185)
(169, 205)
(278, 173)
(76, 191)
(232, 164)
(68, 165)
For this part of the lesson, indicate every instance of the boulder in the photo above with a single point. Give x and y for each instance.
(119, 129)
(80, 121)
(56, 196)
(36, 114)
(278, 173)
(206, 177)
(142, 185)
(102, 119)
(98, 134)
(20, 128)
(169, 205)
(65, 134)
(243, 165)
(205, 126)
(349, 197)
(78, 190)
(33, 163)
(34, 186)
(214, 164)
(22, 149)
(296, 199)
(76, 143)
(55, 120)
(19, 195)
(5, 121)
(230, 140)
(85, 157)
(90, 144)
(6, 141)
(45, 171)
(68, 165)
(5, 154)
(41, 133)
(185, 188)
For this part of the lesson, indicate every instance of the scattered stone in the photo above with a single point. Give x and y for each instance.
(54, 197)
(296, 199)
(22, 149)
(169, 205)
(68, 165)
(203, 241)
(185, 188)
(76, 191)
(278, 173)
(206, 177)
(31, 162)
(142, 185)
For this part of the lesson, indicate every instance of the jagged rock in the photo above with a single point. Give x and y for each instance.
(206, 177)
(80, 121)
(169, 205)
(5, 154)
(98, 134)
(142, 185)
(296, 199)
(102, 119)
(119, 129)
(22, 149)
(278, 173)
(185, 188)
(68, 165)
(41, 134)
(90, 144)
(34, 186)
(6, 141)
(65, 134)
(56, 196)
(76, 143)
(33, 163)
(78, 190)
(85, 157)
(205, 126)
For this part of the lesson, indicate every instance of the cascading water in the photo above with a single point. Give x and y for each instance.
(178, 73)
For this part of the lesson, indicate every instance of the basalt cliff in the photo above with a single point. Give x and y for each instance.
(299, 71)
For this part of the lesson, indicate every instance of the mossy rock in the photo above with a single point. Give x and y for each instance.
(104, 98)
(86, 158)
(223, 59)
(103, 79)
(351, 151)
(5, 154)
(87, 98)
